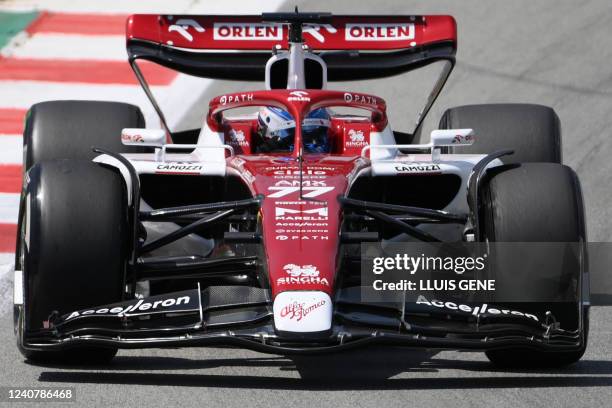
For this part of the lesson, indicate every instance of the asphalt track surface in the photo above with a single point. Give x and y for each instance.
(555, 53)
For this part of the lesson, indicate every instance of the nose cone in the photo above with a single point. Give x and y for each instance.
(302, 312)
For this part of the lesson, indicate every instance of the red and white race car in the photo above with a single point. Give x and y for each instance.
(274, 226)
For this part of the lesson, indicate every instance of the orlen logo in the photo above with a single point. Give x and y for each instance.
(379, 32)
(182, 26)
(247, 31)
(299, 96)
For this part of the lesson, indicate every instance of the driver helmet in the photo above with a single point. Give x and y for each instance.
(277, 129)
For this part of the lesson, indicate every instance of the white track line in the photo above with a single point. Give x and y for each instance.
(72, 47)
(23, 94)
(11, 149)
(99, 7)
(9, 208)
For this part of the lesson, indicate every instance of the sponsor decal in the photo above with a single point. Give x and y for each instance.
(298, 311)
(134, 138)
(304, 274)
(315, 30)
(247, 31)
(310, 188)
(298, 96)
(296, 172)
(313, 214)
(461, 139)
(237, 138)
(473, 310)
(419, 168)
(245, 97)
(302, 237)
(185, 301)
(358, 98)
(302, 311)
(357, 139)
(182, 27)
(179, 167)
(379, 32)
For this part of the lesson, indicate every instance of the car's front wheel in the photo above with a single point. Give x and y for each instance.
(74, 243)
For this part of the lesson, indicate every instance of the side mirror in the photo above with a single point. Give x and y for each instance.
(147, 137)
(452, 137)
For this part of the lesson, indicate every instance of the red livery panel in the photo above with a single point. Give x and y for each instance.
(224, 32)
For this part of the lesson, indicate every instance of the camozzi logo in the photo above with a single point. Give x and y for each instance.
(298, 96)
(298, 311)
(302, 274)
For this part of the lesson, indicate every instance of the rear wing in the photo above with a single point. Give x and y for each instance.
(238, 47)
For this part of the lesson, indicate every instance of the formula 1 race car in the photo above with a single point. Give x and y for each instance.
(256, 230)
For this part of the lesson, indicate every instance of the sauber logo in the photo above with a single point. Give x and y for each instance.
(379, 32)
(298, 311)
(299, 96)
(247, 31)
(182, 26)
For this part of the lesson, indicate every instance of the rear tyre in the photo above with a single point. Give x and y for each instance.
(536, 202)
(532, 131)
(73, 241)
(69, 129)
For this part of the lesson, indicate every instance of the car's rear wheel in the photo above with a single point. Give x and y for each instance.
(69, 129)
(73, 244)
(537, 203)
(532, 131)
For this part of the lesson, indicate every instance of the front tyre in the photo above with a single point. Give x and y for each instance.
(74, 242)
(537, 202)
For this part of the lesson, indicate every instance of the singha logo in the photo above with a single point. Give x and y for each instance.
(304, 270)
(237, 138)
(357, 139)
(356, 135)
